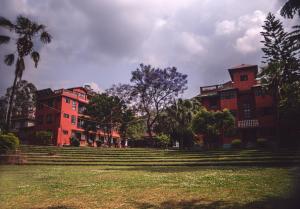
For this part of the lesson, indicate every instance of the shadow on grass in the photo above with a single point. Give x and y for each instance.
(268, 203)
(57, 207)
(183, 168)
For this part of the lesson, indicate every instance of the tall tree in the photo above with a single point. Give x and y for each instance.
(26, 32)
(153, 89)
(282, 64)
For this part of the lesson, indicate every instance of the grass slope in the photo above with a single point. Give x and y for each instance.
(124, 181)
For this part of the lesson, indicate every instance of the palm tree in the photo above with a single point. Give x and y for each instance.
(26, 32)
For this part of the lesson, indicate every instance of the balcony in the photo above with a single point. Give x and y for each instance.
(71, 94)
(248, 123)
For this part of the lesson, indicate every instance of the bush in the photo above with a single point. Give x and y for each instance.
(74, 142)
(262, 142)
(236, 143)
(8, 142)
(163, 140)
(44, 137)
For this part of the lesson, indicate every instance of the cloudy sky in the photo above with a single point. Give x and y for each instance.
(101, 41)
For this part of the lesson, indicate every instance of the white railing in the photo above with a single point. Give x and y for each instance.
(248, 123)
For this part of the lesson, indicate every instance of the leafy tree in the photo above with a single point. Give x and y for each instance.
(26, 32)
(153, 89)
(107, 111)
(213, 125)
(136, 129)
(24, 99)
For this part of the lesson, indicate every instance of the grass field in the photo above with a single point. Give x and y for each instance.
(146, 178)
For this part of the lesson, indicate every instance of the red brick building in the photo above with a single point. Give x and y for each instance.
(245, 98)
(62, 113)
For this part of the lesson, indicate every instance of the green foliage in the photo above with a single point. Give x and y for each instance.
(136, 130)
(153, 89)
(213, 124)
(236, 143)
(8, 142)
(44, 137)
(163, 140)
(176, 121)
(74, 142)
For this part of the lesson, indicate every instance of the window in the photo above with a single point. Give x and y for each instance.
(244, 77)
(80, 123)
(67, 100)
(40, 119)
(65, 132)
(260, 92)
(49, 118)
(66, 115)
(73, 105)
(73, 119)
(247, 111)
(228, 94)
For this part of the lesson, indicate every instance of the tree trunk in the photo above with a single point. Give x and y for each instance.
(10, 104)
(149, 128)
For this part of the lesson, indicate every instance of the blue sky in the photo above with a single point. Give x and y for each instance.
(101, 42)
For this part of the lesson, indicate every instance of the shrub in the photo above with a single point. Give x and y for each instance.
(74, 142)
(236, 143)
(163, 140)
(262, 142)
(44, 137)
(8, 142)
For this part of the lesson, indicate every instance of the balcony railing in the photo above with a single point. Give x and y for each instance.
(248, 123)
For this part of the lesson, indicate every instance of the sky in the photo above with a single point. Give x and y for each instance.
(100, 42)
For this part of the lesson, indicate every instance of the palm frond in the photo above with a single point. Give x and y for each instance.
(5, 23)
(35, 57)
(9, 59)
(45, 37)
(40, 27)
(4, 39)
(23, 22)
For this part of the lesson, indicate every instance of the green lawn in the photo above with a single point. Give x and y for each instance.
(113, 186)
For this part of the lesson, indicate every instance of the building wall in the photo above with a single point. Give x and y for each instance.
(244, 85)
(248, 92)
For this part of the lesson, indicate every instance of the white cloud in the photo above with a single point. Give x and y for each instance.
(225, 27)
(192, 43)
(250, 42)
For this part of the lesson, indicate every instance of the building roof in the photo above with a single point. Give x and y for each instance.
(242, 67)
